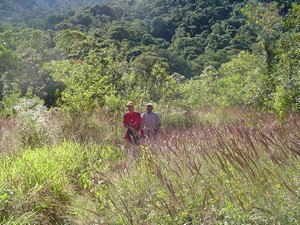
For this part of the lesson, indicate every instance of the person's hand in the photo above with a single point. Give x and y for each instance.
(132, 129)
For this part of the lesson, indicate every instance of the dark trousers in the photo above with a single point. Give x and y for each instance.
(151, 132)
(133, 139)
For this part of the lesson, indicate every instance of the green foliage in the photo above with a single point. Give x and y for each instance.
(113, 105)
(201, 91)
(175, 116)
(73, 43)
(280, 41)
(42, 182)
(242, 81)
(53, 19)
(9, 103)
(29, 50)
(151, 78)
(119, 33)
(100, 77)
(7, 59)
(142, 50)
(283, 99)
(138, 28)
(287, 75)
(20, 11)
(85, 85)
(5, 55)
(6, 196)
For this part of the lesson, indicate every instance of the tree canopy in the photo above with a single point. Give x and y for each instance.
(229, 53)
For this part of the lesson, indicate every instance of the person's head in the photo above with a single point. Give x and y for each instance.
(149, 107)
(130, 106)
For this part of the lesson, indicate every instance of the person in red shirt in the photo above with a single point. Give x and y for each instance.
(132, 121)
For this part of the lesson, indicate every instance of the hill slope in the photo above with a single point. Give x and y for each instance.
(19, 11)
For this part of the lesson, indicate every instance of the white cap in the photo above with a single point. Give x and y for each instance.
(149, 104)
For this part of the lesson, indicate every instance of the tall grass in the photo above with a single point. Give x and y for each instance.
(33, 130)
(215, 170)
(8, 135)
(42, 182)
(236, 173)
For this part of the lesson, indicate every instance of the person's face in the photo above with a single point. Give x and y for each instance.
(149, 108)
(130, 108)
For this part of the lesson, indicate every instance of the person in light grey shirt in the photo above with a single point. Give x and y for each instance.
(151, 120)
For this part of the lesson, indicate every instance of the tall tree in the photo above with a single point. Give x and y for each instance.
(279, 43)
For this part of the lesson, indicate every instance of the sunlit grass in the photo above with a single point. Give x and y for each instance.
(43, 181)
(243, 170)
(240, 172)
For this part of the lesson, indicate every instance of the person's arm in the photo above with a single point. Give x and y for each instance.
(126, 125)
(140, 121)
(158, 121)
(124, 121)
(143, 121)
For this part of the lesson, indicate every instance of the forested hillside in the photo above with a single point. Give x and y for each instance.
(31, 12)
(226, 53)
(223, 75)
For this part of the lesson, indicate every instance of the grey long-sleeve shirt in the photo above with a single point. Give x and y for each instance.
(151, 120)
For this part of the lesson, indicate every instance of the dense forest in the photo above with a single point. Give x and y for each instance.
(33, 11)
(225, 53)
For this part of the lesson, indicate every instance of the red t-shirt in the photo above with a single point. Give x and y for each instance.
(133, 119)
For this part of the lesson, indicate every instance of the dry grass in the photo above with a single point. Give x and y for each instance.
(231, 168)
(208, 175)
(8, 135)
